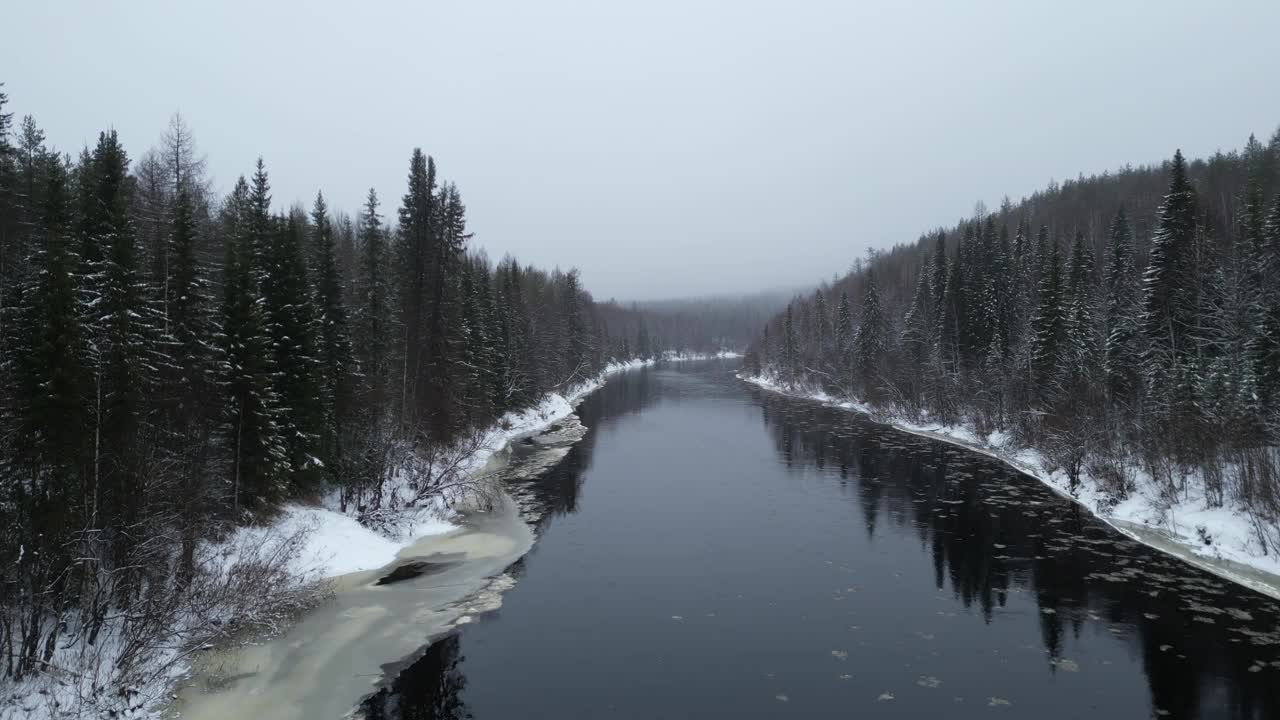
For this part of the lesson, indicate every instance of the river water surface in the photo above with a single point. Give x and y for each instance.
(713, 550)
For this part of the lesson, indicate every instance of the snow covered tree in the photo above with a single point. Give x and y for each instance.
(1121, 356)
(872, 343)
(374, 332)
(291, 327)
(253, 432)
(843, 329)
(335, 354)
(1049, 325)
(1169, 305)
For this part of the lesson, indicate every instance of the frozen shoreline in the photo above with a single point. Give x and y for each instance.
(1234, 554)
(337, 544)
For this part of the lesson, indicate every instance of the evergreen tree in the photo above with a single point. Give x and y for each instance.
(873, 339)
(416, 252)
(375, 335)
(1169, 305)
(121, 344)
(1121, 355)
(1266, 346)
(258, 457)
(1049, 326)
(790, 350)
(843, 329)
(1081, 350)
(335, 353)
(291, 325)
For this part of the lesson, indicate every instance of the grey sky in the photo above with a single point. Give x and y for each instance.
(664, 147)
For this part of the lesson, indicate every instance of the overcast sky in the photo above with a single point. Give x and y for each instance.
(666, 148)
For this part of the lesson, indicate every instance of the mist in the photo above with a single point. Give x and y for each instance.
(666, 149)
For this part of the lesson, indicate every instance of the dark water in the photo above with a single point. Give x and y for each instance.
(711, 550)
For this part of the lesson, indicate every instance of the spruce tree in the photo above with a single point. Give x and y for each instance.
(291, 326)
(258, 461)
(374, 333)
(1121, 322)
(1081, 349)
(1169, 306)
(1266, 345)
(1049, 326)
(844, 329)
(121, 341)
(335, 353)
(873, 339)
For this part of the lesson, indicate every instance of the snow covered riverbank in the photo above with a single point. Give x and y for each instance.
(335, 543)
(322, 542)
(1221, 540)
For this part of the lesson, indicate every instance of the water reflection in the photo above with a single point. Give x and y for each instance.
(1209, 647)
(995, 544)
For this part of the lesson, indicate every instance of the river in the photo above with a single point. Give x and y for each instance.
(710, 549)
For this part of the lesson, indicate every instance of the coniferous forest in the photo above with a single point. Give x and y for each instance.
(174, 363)
(1126, 325)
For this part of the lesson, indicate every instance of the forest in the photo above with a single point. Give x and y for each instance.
(1126, 325)
(174, 363)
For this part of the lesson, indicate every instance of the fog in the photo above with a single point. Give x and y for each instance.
(664, 148)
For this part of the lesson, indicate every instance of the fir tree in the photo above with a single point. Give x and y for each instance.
(374, 333)
(1049, 326)
(1169, 306)
(291, 325)
(843, 329)
(1080, 352)
(253, 436)
(873, 338)
(335, 353)
(1121, 356)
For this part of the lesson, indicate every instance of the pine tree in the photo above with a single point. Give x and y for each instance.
(1049, 326)
(1121, 321)
(46, 479)
(374, 334)
(192, 381)
(1081, 350)
(821, 325)
(1168, 303)
(253, 435)
(291, 326)
(938, 271)
(790, 351)
(844, 329)
(1266, 345)
(873, 339)
(335, 353)
(415, 254)
(122, 344)
(577, 343)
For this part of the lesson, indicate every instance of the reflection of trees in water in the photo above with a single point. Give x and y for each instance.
(557, 489)
(429, 689)
(992, 532)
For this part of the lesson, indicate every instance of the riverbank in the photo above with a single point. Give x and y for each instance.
(1221, 541)
(324, 547)
(337, 544)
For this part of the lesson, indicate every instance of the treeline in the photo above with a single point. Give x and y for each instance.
(1126, 324)
(172, 363)
(711, 324)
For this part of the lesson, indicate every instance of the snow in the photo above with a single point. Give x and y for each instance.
(330, 543)
(337, 544)
(1179, 529)
(333, 544)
